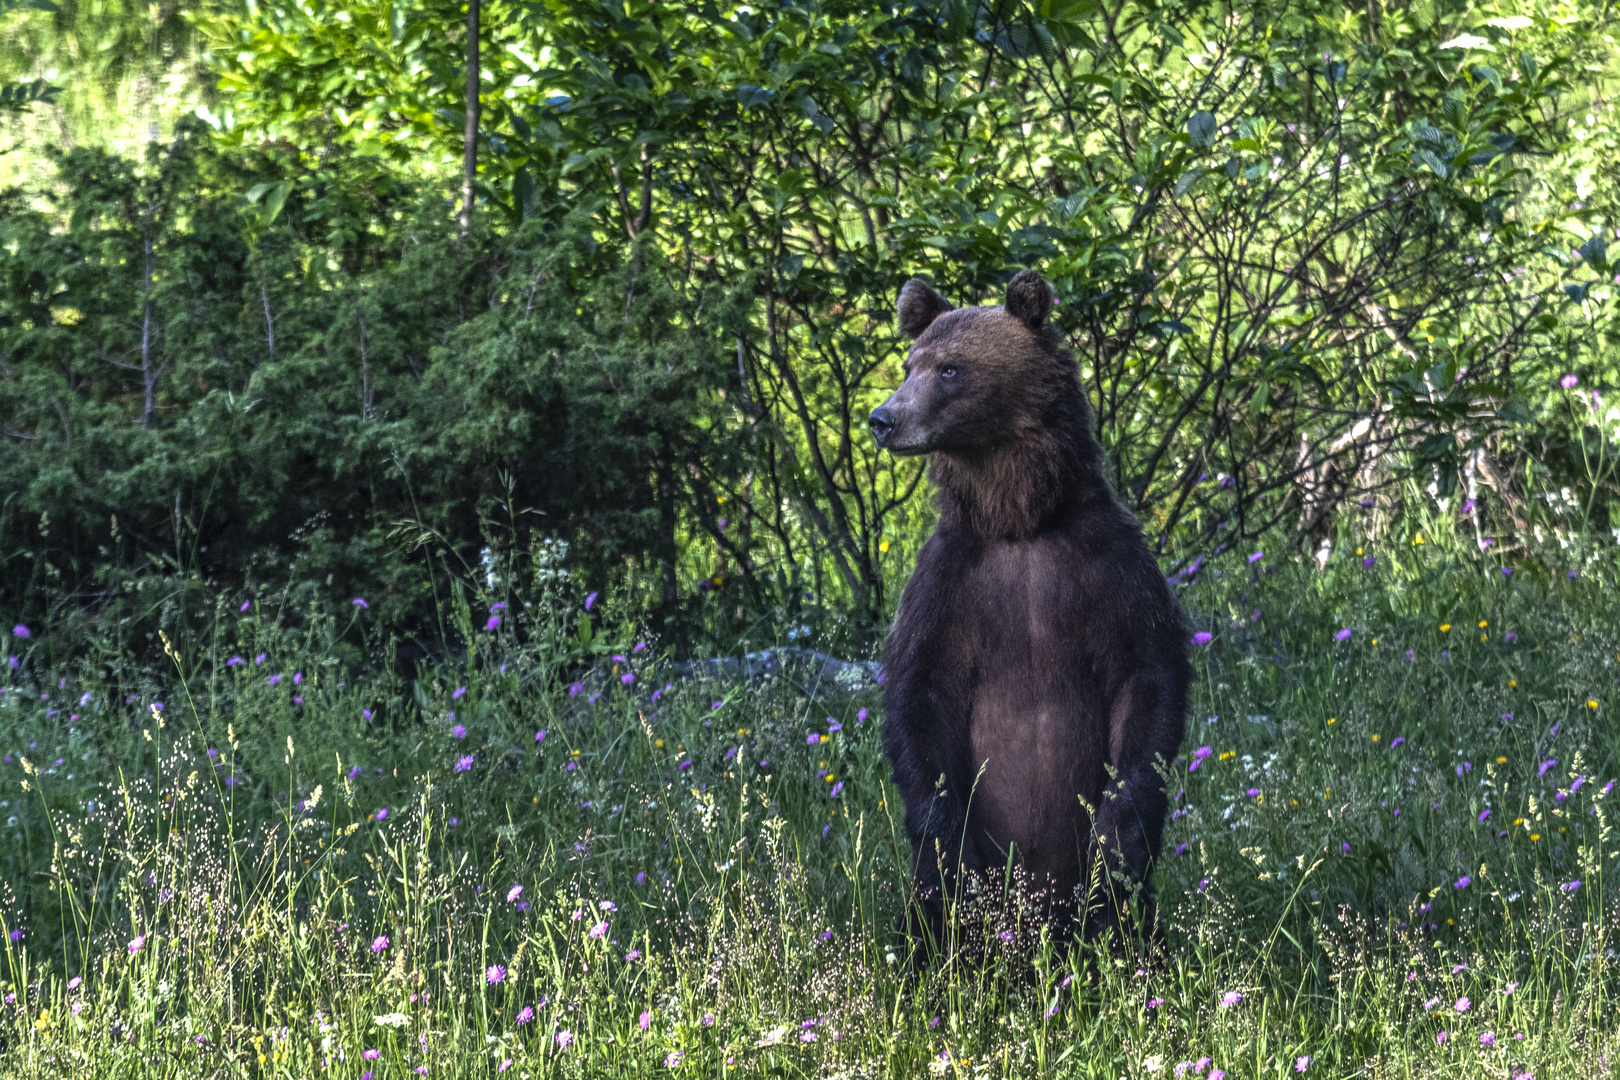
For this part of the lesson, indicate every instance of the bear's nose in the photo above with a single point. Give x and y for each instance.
(882, 421)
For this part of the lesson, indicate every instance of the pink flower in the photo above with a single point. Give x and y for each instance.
(495, 973)
(1230, 998)
(599, 930)
(379, 943)
(1202, 637)
(371, 1055)
(136, 943)
(646, 1021)
(1488, 1039)
(564, 1038)
(513, 894)
(1302, 1063)
(1462, 1005)
(1568, 381)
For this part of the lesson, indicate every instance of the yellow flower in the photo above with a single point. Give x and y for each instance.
(1484, 637)
(1483, 624)
(883, 546)
(1513, 683)
(1375, 641)
(1375, 738)
(1419, 539)
(1501, 761)
(1358, 551)
(658, 742)
(1445, 628)
(1535, 836)
(829, 778)
(1333, 719)
(824, 738)
(1590, 704)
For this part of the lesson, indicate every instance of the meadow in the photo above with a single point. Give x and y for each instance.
(549, 852)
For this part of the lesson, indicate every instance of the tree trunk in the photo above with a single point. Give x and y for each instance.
(470, 160)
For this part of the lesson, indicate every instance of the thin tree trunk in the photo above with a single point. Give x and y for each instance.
(269, 322)
(470, 161)
(366, 410)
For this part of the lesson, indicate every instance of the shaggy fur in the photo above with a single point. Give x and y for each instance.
(1037, 651)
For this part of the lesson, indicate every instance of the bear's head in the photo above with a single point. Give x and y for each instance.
(976, 378)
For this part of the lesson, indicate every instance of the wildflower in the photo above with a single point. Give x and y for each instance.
(1570, 886)
(646, 1021)
(1302, 1063)
(21, 631)
(136, 943)
(641, 878)
(1483, 814)
(633, 955)
(233, 661)
(591, 599)
(1545, 765)
(1591, 704)
(860, 717)
(464, 763)
(458, 732)
(1202, 637)
(836, 788)
(1369, 561)
(493, 623)
(73, 983)
(1440, 1039)
(1253, 792)
(675, 1058)
(365, 714)
(540, 736)
(360, 602)
(1568, 381)
(371, 1055)
(1345, 848)
(1396, 741)
(1257, 556)
(627, 679)
(564, 1038)
(1445, 628)
(1154, 1003)
(1230, 998)
(575, 688)
(379, 943)
(494, 974)
(502, 1067)
(514, 894)
(599, 930)
(381, 814)
(1342, 635)
(1462, 1005)
(1487, 1039)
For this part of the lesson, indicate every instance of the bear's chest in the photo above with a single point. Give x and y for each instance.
(1022, 605)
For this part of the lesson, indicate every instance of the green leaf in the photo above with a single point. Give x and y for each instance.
(1201, 128)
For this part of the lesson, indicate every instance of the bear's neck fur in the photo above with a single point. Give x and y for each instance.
(1014, 490)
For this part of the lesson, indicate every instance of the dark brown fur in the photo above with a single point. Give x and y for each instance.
(1037, 647)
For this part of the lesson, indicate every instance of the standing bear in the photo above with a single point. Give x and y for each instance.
(1036, 673)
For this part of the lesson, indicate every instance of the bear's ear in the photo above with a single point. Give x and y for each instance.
(1029, 299)
(919, 307)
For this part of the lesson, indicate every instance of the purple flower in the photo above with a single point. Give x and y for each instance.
(371, 1055)
(135, 943)
(257, 660)
(524, 1015)
(1154, 1003)
(1201, 638)
(1507, 571)
(365, 713)
(21, 631)
(1257, 556)
(836, 788)
(464, 763)
(493, 623)
(1462, 882)
(1545, 765)
(1568, 381)
(540, 736)
(458, 732)
(1342, 635)
(628, 678)
(1181, 849)
(1345, 848)
(382, 814)
(379, 943)
(589, 600)
(494, 974)
(599, 930)
(1570, 886)
(1488, 1039)
(1510, 636)
(360, 602)
(16, 936)
(641, 878)
(233, 661)
(1396, 741)
(1302, 1063)
(1369, 561)
(1463, 1005)
(1230, 998)
(645, 1021)
(812, 739)
(1253, 792)
(1483, 815)
(273, 680)
(245, 605)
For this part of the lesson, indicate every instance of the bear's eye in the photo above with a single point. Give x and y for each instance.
(947, 372)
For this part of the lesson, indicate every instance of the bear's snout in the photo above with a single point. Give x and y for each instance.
(883, 422)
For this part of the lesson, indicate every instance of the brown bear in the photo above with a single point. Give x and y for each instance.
(1035, 677)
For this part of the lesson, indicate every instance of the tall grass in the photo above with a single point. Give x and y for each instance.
(283, 855)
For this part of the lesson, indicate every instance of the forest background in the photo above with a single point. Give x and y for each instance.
(1326, 268)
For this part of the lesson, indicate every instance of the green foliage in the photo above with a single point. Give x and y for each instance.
(198, 387)
(1382, 827)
